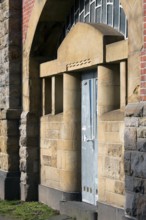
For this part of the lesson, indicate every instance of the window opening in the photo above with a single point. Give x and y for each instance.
(109, 12)
(47, 96)
(53, 95)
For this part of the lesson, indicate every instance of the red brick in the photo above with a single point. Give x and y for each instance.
(27, 9)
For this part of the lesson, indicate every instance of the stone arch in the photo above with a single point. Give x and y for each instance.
(33, 56)
(29, 140)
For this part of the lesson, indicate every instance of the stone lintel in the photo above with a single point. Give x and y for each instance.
(52, 68)
(117, 51)
(56, 67)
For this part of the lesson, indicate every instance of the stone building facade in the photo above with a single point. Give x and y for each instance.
(72, 104)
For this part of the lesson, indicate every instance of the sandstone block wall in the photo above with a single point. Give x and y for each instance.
(50, 139)
(60, 141)
(110, 163)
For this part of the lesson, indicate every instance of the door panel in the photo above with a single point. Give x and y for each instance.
(89, 137)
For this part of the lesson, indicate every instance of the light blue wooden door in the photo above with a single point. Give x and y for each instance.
(89, 137)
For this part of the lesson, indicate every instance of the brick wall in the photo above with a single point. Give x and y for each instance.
(27, 9)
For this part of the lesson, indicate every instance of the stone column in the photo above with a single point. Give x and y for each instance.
(29, 160)
(70, 145)
(108, 88)
(123, 84)
(10, 99)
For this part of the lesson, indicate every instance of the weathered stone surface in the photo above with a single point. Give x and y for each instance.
(144, 110)
(119, 187)
(129, 183)
(141, 132)
(23, 153)
(141, 207)
(142, 121)
(23, 165)
(114, 150)
(130, 206)
(141, 144)
(112, 168)
(136, 185)
(138, 164)
(134, 109)
(4, 162)
(127, 163)
(130, 137)
(131, 121)
(23, 177)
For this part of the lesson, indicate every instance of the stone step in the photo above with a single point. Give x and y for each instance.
(79, 210)
(60, 217)
(129, 218)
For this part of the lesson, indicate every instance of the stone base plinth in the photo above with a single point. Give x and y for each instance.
(109, 212)
(9, 185)
(52, 197)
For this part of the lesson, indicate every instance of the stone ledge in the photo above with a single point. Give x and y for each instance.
(110, 212)
(115, 115)
(45, 193)
(134, 109)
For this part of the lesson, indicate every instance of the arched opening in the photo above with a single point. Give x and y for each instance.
(48, 36)
(79, 64)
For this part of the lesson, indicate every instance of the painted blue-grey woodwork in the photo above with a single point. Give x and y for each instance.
(89, 137)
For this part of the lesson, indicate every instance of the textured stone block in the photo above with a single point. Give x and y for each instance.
(23, 165)
(130, 138)
(144, 110)
(130, 206)
(141, 144)
(23, 177)
(134, 109)
(112, 168)
(141, 207)
(49, 156)
(138, 164)
(4, 163)
(114, 150)
(135, 185)
(142, 121)
(119, 187)
(129, 183)
(141, 132)
(131, 121)
(127, 163)
(23, 153)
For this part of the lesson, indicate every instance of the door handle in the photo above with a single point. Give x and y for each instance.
(90, 139)
(85, 139)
